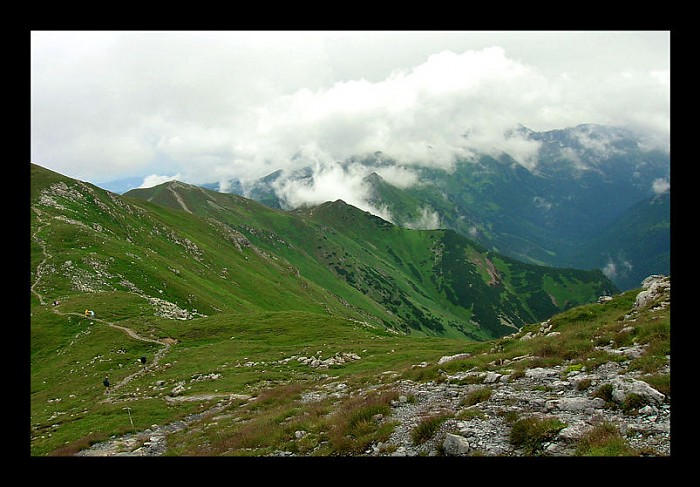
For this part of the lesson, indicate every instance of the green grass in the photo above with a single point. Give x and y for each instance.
(247, 351)
(427, 428)
(532, 434)
(253, 310)
(604, 440)
(476, 396)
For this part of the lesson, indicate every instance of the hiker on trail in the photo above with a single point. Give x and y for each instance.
(87, 312)
(55, 303)
(143, 360)
(106, 383)
(92, 313)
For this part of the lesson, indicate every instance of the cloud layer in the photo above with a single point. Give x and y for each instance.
(211, 106)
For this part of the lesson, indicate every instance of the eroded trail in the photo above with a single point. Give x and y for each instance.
(41, 269)
(116, 446)
(151, 441)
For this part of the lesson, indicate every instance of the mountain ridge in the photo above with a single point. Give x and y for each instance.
(381, 242)
(583, 179)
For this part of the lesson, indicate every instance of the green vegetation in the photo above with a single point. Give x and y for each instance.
(532, 434)
(604, 440)
(478, 395)
(427, 428)
(225, 297)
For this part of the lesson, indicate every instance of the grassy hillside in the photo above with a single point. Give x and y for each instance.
(636, 244)
(433, 282)
(220, 293)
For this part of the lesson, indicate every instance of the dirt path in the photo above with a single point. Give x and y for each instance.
(152, 441)
(166, 342)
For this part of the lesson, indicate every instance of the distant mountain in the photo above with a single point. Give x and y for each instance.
(635, 245)
(120, 186)
(435, 282)
(583, 179)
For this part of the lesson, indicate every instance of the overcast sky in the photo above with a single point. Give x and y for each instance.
(209, 106)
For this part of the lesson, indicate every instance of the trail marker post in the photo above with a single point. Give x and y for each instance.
(128, 410)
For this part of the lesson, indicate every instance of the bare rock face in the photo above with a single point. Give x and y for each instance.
(654, 287)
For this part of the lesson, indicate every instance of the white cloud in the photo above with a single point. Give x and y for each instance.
(661, 185)
(330, 182)
(212, 106)
(542, 203)
(428, 219)
(614, 269)
(399, 176)
(155, 180)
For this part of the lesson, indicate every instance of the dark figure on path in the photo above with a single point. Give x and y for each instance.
(106, 383)
(143, 360)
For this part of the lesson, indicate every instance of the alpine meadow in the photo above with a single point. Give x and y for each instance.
(229, 300)
(390, 247)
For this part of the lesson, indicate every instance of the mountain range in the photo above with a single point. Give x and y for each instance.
(199, 249)
(190, 301)
(427, 281)
(593, 196)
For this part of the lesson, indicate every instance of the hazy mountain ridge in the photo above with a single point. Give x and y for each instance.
(634, 244)
(584, 179)
(221, 252)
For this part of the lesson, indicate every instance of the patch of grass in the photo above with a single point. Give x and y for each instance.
(532, 434)
(471, 413)
(358, 423)
(422, 374)
(604, 440)
(427, 428)
(660, 382)
(604, 392)
(574, 368)
(517, 374)
(476, 396)
(632, 403)
(74, 447)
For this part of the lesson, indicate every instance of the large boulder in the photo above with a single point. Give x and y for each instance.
(623, 387)
(455, 445)
(653, 287)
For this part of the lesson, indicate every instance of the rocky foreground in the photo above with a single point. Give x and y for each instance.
(558, 393)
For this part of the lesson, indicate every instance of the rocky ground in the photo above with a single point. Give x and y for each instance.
(482, 428)
(484, 431)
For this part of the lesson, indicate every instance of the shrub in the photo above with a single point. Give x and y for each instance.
(583, 384)
(509, 416)
(531, 434)
(477, 396)
(633, 402)
(427, 428)
(604, 392)
(604, 440)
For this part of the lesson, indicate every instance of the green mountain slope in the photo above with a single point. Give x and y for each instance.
(581, 181)
(433, 282)
(635, 245)
(221, 293)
